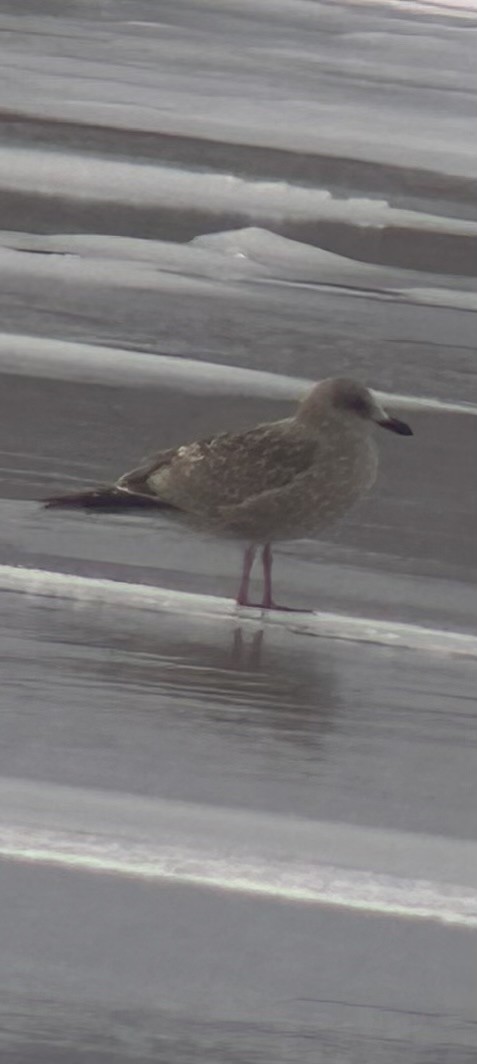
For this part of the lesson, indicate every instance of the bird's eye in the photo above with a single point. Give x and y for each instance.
(358, 404)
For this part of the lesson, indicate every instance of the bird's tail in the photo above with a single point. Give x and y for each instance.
(106, 498)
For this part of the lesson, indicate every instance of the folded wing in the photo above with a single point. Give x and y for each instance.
(224, 470)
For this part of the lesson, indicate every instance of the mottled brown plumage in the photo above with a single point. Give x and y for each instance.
(286, 479)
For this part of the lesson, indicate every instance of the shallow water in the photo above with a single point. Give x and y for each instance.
(222, 838)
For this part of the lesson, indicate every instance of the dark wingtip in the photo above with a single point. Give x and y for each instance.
(88, 499)
(394, 425)
(105, 499)
(57, 501)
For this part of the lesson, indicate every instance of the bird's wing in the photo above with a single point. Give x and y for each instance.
(271, 508)
(137, 479)
(225, 469)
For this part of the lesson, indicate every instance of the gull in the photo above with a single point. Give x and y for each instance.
(281, 480)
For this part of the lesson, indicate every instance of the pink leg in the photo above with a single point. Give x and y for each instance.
(267, 601)
(267, 559)
(248, 560)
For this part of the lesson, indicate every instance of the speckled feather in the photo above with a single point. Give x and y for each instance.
(284, 480)
(276, 481)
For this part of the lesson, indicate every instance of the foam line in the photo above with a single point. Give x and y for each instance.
(67, 360)
(49, 584)
(297, 860)
(222, 259)
(451, 8)
(110, 181)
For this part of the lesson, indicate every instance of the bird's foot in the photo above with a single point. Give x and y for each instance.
(286, 609)
(272, 606)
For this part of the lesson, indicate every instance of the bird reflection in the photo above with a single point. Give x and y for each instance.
(261, 683)
(243, 656)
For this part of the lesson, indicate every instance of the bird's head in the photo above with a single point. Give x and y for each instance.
(339, 396)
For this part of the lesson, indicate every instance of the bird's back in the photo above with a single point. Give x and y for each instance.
(276, 481)
(228, 468)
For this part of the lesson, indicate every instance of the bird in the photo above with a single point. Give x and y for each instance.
(280, 480)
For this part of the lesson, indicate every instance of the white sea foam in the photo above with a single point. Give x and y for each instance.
(400, 636)
(382, 99)
(335, 864)
(223, 260)
(109, 181)
(438, 297)
(453, 8)
(66, 360)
